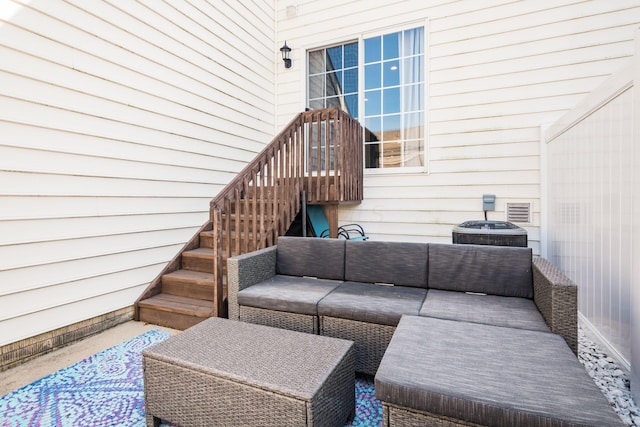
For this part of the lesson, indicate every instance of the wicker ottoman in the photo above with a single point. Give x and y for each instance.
(227, 373)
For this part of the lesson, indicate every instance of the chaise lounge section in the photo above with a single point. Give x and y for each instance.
(451, 373)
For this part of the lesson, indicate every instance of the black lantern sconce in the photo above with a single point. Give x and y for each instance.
(285, 55)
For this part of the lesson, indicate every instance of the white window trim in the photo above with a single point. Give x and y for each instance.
(360, 39)
(379, 32)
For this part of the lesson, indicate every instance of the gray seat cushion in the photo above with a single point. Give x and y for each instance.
(381, 262)
(489, 375)
(302, 256)
(287, 293)
(494, 270)
(366, 302)
(494, 310)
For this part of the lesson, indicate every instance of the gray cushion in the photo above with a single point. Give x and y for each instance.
(366, 302)
(494, 310)
(287, 293)
(305, 256)
(489, 375)
(495, 270)
(398, 263)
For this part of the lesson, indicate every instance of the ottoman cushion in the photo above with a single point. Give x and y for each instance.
(488, 375)
(512, 312)
(367, 302)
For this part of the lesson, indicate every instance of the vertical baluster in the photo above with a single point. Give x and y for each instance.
(245, 218)
(279, 221)
(237, 236)
(288, 195)
(327, 154)
(270, 176)
(345, 161)
(300, 153)
(318, 179)
(254, 209)
(260, 205)
(337, 148)
(217, 262)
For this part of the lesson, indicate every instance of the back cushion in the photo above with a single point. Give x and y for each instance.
(494, 270)
(310, 256)
(403, 264)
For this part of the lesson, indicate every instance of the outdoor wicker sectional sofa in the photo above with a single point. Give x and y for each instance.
(491, 317)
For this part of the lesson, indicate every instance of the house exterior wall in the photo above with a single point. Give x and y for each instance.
(119, 122)
(590, 193)
(497, 70)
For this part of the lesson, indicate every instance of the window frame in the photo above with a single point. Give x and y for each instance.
(361, 91)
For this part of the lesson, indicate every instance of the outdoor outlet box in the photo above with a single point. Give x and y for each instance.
(488, 202)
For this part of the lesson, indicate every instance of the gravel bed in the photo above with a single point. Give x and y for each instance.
(612, 380)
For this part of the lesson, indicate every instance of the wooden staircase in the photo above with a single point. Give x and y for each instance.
(254, 209)
(184, 294)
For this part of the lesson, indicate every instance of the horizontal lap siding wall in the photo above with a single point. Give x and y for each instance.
(119, 121)
(497, 71)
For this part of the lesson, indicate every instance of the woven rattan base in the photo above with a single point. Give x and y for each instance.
(371, 340)
(279, 319)
(228, 373)
(405, 417)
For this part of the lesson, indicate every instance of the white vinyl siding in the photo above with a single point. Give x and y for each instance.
(496, 71)
(119, 122)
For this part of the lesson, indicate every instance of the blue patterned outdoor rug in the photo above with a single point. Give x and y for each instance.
(107, 390)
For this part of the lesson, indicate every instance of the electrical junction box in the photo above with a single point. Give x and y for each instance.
(488, 202)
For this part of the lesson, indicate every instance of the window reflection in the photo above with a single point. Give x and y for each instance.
(372, 102)
(413, 153)
(373, 76)
(333, 78)
(373, 126)
(316, 62)
(334, 58)
(391, 71)
(391, 100)
(391, 46)
(394, 99)
(391, 127)
(372, 49)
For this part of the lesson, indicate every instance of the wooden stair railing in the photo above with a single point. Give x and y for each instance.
(319, 152)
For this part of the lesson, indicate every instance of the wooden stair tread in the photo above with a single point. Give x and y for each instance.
(179, 304)
(198, 277)
(200, 253)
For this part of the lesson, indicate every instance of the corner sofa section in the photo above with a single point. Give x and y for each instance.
(359, 290)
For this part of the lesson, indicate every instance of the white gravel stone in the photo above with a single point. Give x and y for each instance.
(611, 380)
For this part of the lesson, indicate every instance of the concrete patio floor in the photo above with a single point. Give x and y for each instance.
(42, 366)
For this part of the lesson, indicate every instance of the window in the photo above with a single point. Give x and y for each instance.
(333, 78)
(394, 99)
(392, 93)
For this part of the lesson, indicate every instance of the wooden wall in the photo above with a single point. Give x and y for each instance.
(497, 71)
(119, 121)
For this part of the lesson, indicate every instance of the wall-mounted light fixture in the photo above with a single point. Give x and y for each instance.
(285, 55)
